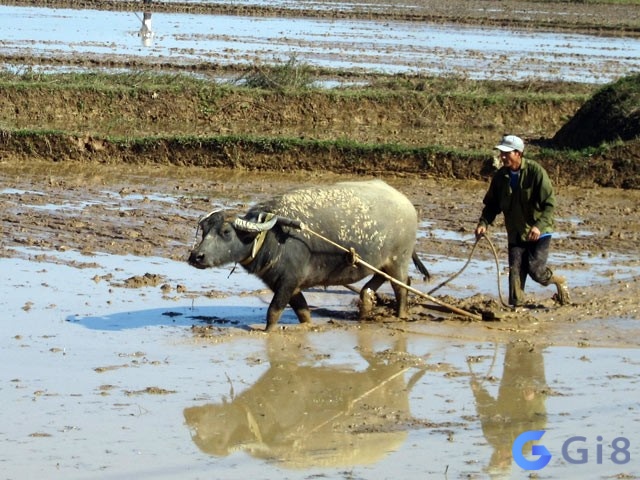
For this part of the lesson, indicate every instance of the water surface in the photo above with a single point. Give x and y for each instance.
(382, 46)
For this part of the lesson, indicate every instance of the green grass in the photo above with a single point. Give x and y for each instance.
(292, 77)
(101, 81)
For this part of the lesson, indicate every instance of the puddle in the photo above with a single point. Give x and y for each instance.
(384, 46)
(109, 200)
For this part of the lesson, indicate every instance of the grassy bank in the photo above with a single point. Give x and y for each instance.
(404, 125)
(459, 114)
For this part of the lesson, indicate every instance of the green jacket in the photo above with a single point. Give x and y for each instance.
(532, 204)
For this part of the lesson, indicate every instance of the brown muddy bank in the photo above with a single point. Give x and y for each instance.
(414, 131)
(400, 125)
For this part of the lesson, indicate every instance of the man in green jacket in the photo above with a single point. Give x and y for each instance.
(522, 191)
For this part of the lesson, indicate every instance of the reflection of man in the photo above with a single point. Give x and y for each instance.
(145, 33)
(518, 407)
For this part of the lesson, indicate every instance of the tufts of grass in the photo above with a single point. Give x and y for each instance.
(290, 75)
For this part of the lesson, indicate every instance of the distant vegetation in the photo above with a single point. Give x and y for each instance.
(611, 115)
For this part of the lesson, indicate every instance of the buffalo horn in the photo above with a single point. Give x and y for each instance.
(249, 226)
(203, 219)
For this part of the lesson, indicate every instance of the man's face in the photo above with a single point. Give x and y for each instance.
(512, 160)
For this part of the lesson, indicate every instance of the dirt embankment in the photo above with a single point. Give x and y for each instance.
(440, 135)
(370, 116)
(406, 126)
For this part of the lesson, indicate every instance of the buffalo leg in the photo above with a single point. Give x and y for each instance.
(400, 292)
(276, 307)
(299, 305)
(367, 295)
(401, 297)
(283, 296)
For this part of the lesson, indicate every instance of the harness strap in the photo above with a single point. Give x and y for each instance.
(259, 240)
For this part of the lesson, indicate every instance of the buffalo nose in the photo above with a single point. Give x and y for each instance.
(196, 258)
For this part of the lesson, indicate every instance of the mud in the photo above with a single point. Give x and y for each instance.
(614, 19)
(122, 360)
(153, 211)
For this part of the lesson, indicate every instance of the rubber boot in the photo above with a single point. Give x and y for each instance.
(563, 291)
(516, 290)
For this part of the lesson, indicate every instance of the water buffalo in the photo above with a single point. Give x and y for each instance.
(370, 217)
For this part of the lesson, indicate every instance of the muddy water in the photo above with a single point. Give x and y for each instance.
(104, 377)
(383, 46)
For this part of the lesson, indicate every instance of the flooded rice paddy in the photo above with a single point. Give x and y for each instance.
(121, 366)
(352, 45)
(121, 361)
(108, 381)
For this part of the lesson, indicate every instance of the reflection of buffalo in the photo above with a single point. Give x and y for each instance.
(308, 415)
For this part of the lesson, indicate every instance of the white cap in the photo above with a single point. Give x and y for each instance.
(510, 143)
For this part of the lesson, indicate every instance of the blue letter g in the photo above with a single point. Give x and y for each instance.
(541, 450)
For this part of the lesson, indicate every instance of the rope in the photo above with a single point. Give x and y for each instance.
(458, 272)
(357, 259)
(495, 256)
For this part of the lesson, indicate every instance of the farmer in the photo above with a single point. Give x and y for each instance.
(522, 191)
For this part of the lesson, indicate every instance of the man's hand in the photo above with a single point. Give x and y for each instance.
(534, 234)
(480, 231)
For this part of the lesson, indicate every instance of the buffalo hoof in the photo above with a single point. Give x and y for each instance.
(367, 302)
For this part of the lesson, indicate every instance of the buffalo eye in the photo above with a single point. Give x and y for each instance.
(226, 232)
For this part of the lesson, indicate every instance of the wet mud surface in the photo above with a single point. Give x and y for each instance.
(112, 336)
(344, 41)
(153, 211)
(575, 16)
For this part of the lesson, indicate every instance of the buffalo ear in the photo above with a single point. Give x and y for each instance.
(211, 220)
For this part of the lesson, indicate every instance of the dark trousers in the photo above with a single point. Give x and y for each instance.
(527, 258)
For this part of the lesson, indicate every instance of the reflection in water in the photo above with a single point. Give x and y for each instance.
(302, 415)
(519, 406)
(145, 33)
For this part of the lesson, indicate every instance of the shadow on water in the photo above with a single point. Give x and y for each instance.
(243, 317)
(224, 316)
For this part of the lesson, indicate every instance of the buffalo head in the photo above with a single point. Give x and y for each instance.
(225, 241)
